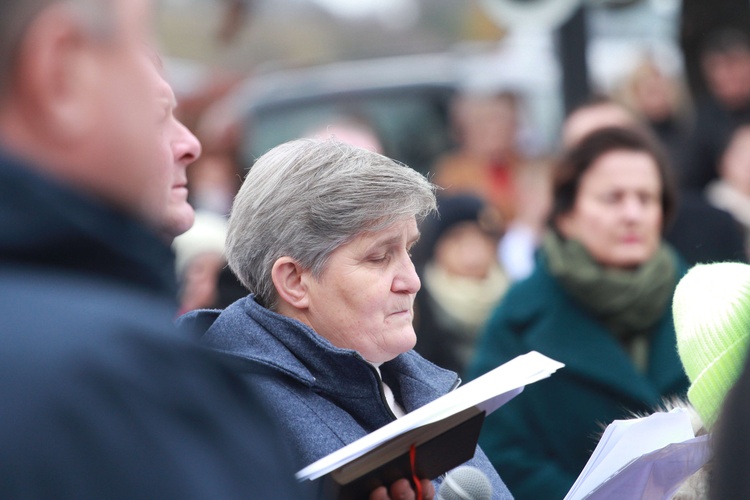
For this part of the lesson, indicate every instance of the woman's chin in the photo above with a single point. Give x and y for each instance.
(407, 339)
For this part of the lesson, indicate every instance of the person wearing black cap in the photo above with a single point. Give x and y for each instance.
(462, 279)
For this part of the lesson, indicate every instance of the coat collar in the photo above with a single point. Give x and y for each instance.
(44, 223)
(259, 339)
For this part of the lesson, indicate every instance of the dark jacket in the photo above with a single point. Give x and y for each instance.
(712, 129)
(101, 396)
(702, 233)
(729, 477)
(322, 396)
(541, 440)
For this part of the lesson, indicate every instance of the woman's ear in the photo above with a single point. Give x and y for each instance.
(288, 278)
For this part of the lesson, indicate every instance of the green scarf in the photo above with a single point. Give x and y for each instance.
(627, 301)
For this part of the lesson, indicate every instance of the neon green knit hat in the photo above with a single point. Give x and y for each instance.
(711, 309)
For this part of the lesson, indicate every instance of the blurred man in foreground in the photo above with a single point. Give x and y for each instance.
(102, 398)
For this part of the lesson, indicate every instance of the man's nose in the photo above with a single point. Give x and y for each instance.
(187, 147)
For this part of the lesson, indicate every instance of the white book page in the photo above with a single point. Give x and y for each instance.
(488, 392)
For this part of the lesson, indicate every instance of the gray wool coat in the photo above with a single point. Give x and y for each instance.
(323, 397)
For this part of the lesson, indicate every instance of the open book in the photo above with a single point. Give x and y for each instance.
(647, 457)
(444, 432)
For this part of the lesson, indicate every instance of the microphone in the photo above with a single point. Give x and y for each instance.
(465, 483)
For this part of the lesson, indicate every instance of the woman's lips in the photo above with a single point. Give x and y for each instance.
(632, 239)
(403, 312)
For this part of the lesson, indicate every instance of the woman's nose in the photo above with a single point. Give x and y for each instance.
(406, 279)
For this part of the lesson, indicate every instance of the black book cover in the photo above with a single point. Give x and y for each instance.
(440, 447)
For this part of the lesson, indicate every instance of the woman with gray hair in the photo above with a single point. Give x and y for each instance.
(320, 233)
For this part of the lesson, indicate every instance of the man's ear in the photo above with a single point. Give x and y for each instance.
(290, 281)
(58, 73)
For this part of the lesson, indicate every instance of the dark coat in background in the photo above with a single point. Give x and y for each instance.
(730, 478)
(541, 440)
(322, 396)
(101, 396)
(702, 233)
(713, 127)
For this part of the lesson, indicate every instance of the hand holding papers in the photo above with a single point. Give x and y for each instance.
(459, 409)
(647, 457)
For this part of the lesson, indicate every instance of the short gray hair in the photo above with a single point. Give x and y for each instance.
(16, 15)
(305, 198)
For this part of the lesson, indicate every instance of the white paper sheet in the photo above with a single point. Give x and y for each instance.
(488, 392)
(652, 454)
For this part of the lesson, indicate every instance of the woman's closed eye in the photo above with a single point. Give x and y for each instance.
(379, 258)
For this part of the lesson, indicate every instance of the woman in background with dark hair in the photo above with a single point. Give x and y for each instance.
(599, 301)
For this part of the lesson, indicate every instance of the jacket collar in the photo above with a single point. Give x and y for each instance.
(43, 223)
(263, 339)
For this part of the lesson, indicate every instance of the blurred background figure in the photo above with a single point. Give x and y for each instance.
(214, 180)
(200, 260)
(600, 111)
(488, 158)
(524, 233)
(490, 163)
(462, 280)
(599, 300)
(725, 64)
(660, 100)
(731, 191)
(699, 232)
